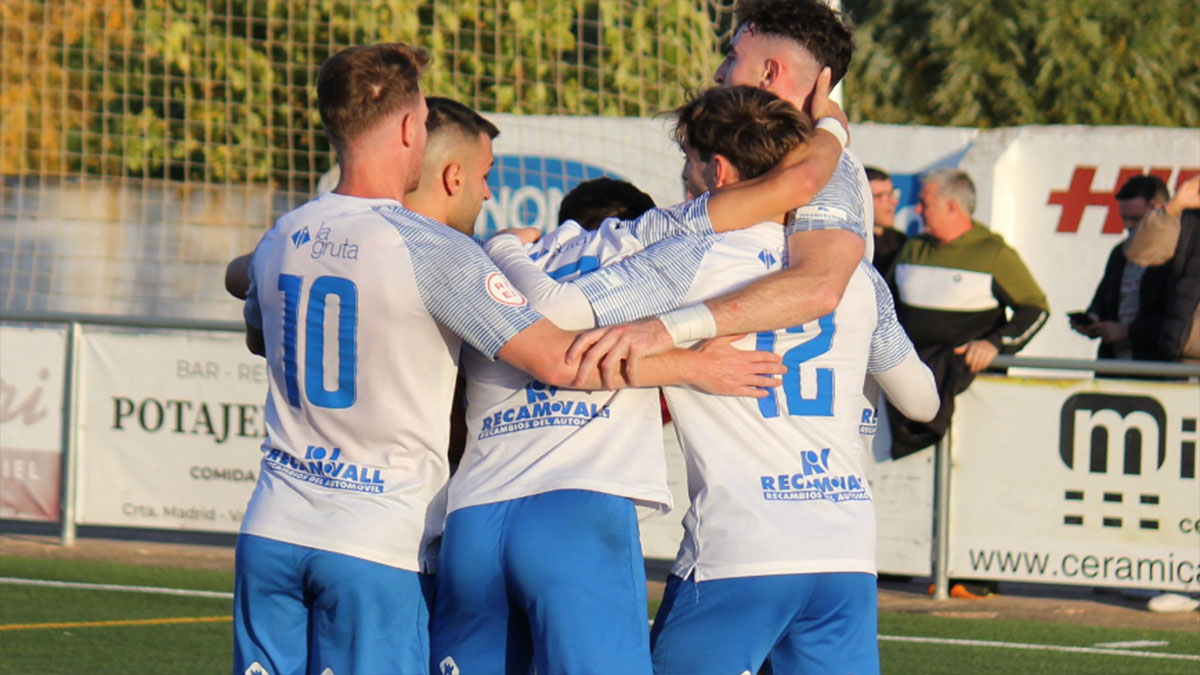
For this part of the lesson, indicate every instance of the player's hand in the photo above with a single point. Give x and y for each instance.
(727, 371)
(610, 348)
(978, 354)
(1187, 196)
(527, 235)
(823, 106)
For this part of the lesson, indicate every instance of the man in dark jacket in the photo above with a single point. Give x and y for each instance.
(1128, 308)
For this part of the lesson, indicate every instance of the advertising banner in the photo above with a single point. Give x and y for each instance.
(1050, 195)
(540, 158)
(31, 423)
(169, 431)
(903, 493)
(1076, 482)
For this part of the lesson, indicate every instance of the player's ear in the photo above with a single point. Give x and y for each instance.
(772, 72)
(723, 171)
(452, 178)
(408, 129)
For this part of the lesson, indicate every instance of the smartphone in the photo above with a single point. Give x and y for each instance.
(1080, 318)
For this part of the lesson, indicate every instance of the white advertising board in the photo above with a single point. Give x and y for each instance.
(1077, 482)
(903, 493)
(169, 430)
(31, 409)
(1051, 197)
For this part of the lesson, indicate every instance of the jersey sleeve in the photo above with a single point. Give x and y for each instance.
(890, 345)
(460, 286)
(838, 206)
(910, 386)
(655, 225)
(562, 303)
(654, 281)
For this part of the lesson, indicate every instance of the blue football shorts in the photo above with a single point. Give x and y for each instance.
(302, 610)
(805, 623)
(554, 579)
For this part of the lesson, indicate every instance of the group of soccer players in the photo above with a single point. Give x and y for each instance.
(362, 299)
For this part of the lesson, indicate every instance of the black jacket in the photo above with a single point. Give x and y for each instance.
(1146, 327)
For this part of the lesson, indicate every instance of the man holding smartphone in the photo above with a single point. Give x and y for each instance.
(1128, 308)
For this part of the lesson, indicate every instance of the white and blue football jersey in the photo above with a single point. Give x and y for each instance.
(526, 438)
(777, 484)
(362, 304)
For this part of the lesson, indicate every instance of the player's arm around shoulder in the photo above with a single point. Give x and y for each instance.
(820, 264)
(715, 367)
(790, 184)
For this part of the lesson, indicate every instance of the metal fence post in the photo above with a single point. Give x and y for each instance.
(70, 436)
(941, 518)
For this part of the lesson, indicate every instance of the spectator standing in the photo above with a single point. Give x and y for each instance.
(963, 295)
(888, 240)
(1127, 310)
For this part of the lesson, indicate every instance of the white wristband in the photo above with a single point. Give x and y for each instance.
(694, 322)
(834, 127)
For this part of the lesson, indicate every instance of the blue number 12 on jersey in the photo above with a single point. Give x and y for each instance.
(314, 340)
(821, 403)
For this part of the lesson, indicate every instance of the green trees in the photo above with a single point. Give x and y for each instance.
(1010, 62)
(222, 91)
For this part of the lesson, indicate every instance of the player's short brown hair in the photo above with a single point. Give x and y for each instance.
(750, 127)
(360, 86)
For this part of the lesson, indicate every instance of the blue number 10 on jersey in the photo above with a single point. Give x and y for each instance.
(314, 340)
(821, 403)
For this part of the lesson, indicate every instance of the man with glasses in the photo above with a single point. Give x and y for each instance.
(888, 239)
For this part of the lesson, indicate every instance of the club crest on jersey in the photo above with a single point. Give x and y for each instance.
(502, 291)
(448, 667)
(301, 237)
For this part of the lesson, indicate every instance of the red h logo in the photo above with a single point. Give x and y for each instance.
(1079, 196)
